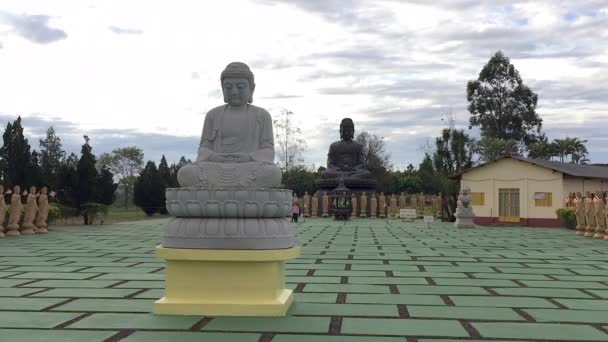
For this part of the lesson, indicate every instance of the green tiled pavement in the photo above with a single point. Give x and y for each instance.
(363, 281)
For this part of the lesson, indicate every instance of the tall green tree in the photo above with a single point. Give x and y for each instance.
(148, 190)
(15, 156)
(541, 150)
(490, 149)
(299, 180)
(106, 188)
(34, 171)
(452, 156)
(125, 163)
(378, 161)
(165, 175)
(573, 147)
(501, 105)
(51, 155)
(175, 168)
(87, 180)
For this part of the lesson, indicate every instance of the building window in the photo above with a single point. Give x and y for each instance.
(478, 198)
(543, 199)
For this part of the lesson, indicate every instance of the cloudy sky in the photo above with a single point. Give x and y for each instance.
(145, 72)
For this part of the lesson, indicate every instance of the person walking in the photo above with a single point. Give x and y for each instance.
(295, 212)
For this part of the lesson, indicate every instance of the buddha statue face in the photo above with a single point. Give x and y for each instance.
(237, 84)
(347, 129)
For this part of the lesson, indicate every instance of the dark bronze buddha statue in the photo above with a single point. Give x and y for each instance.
(346, 161)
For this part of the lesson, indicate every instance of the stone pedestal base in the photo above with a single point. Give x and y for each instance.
(599, 235)
(210, 282)
(464, 222)
(42, 231)
(27, 231)
(589, 233)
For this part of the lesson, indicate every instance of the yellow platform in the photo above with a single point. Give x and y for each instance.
(215, 282)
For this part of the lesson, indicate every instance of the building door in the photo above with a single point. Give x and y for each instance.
(508, 205)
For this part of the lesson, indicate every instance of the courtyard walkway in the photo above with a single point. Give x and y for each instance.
(363, 281)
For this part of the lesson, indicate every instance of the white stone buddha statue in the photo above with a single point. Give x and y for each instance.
(237, 143)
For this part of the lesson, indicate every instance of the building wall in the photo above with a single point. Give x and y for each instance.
(576, 184)
(528, 178)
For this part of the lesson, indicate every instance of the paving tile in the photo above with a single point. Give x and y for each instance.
(601, 293)
(72, 283)
(261, 324)
(159, 336)
(550, 271)
(85, 293)
(558, 315)
(315, 297)
(350, 288)
(430, 274)
(501, 302)
(30, 304)
(387, 280)
(475, 282)
(565, 284)
(142, 284)
(394, 299)
(12, 282)
(319, 309)
(318, 338)
(36, 335)
(135, 321)
(585, 304)
(400, 327)
(486, 313)
(431, 289)
(50, 269)
(321, 280)
(510, 276)
(132, 276)
(53, 275)
(107, 305)
(15, 292)
(31, 319)
(538, 292)
(544, 331)
(341, 273)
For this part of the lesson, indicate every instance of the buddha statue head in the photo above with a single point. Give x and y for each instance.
(44, 190)
(347, 129)
(237, 84)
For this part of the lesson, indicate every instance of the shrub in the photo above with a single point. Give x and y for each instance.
(567, 216)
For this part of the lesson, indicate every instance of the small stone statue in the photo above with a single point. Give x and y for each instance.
(590, 215)
(464, 210)
(402, 204)
(363, 205)
(413, 202)
(579, 211)
(353, 201)
(315, 206)
(30, 209)
(421, 203)
(382, 205)
(43, 211)
(3, 210)
(393, 206)
(325, 205)
(237, 143)
(373, 207)
(15, 213)
(306, 204)
(440, 204)
(600, 223)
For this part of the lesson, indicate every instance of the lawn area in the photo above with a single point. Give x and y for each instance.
(363, 281)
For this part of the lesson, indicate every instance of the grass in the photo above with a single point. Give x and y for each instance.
(114, 215)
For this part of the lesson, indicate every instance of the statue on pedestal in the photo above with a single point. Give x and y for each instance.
(373, 206)
(464, 210)
(363, 205)
(382, 205)
(413, 202)
(421, 203)
(306, 204)
(15, 213)
(31, 209)
(353, 201)
(43, 211)
(590, 214)
(325, 205)
(3, 210)
(229, 237)
(346, 161)
(402, 204)
(315, 206)
(600, 223)
(393, 206)
(579, 211)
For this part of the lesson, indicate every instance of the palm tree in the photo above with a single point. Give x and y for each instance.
(577, 150)
(560, 146)
(540, 150)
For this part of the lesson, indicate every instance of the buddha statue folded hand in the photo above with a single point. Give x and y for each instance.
(237, 143)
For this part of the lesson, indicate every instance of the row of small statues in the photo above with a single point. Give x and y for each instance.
(591, 215)
(35, 212)
(378, 206)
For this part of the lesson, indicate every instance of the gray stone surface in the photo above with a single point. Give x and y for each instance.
(229, 233)
(256, 203)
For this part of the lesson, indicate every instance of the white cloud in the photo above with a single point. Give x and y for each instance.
(394, 67)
